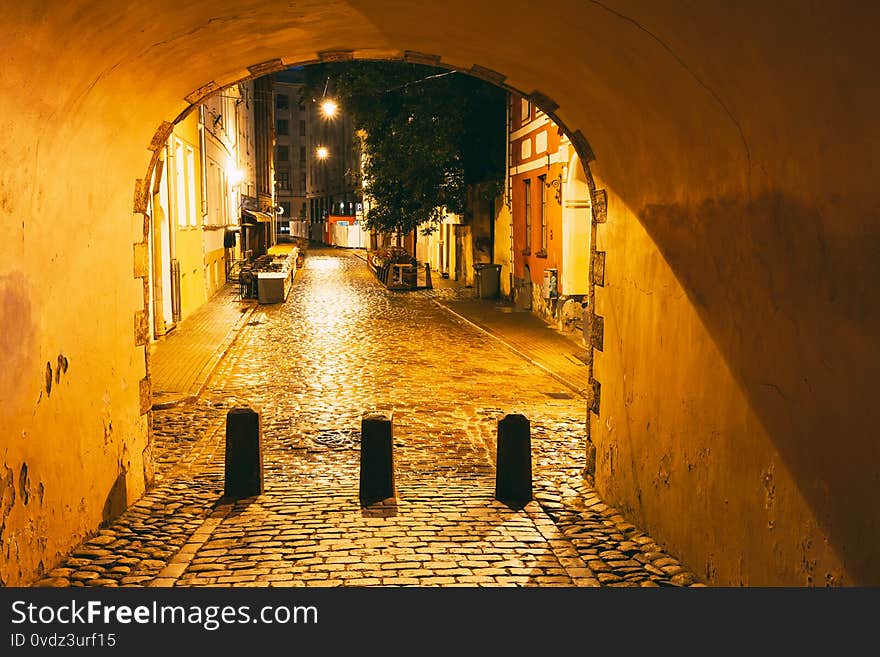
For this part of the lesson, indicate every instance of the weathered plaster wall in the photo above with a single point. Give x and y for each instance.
(72, 435)
(502, 245)
(681, 447)
(738, 146)
(190, 246)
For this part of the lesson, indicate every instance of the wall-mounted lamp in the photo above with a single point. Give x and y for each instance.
(234, 175)
(556, 183)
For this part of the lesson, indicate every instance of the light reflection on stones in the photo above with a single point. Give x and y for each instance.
(340, 346)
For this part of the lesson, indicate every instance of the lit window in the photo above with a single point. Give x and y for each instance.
(191, 185)
(180, 183)
(184, 183)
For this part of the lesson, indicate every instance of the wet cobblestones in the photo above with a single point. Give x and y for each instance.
(176, 431)
(339, 347)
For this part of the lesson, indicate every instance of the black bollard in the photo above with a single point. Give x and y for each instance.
(513, 467)
(377, 459)
(428, 283)
(244, 454)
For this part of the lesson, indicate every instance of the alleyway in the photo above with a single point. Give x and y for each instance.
(340, 346)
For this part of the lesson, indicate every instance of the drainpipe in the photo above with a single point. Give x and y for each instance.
(203, 164)
(508, 195)
(171, 175)
(171, 164)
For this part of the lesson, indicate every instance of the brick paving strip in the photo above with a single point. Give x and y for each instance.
(300, 364)
(182, 363)
(182, 559)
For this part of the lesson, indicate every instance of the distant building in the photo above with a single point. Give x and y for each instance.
(291, 155)
(258, 211)
(549, 232)
(206, 172)
(317, 162)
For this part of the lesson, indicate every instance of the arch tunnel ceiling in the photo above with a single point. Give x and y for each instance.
(743, 136)
(679, 101)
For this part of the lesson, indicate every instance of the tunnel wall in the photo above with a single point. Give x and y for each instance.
(682, 449)
(736, 144)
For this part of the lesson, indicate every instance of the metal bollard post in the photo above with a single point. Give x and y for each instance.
(513, 467)
(428, 283)
(377, 459)
(244, 453)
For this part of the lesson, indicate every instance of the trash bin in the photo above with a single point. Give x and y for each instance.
(411, 277)
(487, 280)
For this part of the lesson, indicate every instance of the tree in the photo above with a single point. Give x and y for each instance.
(429, 132)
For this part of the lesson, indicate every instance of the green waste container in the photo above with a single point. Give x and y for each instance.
(487, 280)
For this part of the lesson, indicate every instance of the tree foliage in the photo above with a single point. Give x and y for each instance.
(428, 133)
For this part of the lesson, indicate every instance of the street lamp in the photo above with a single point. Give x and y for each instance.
(329, 108)
(328, 105)
(322, 153)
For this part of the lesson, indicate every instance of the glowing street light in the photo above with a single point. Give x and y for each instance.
(329, 108)
(233, 174)
(322, 152)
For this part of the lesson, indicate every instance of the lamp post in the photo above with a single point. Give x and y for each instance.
(328, 109)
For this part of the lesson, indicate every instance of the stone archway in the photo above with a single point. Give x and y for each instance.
(741, 237)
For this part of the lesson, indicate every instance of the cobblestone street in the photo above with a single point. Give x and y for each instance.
(340, 346)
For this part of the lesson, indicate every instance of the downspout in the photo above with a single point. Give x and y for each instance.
(171, 164)
(203, 192)
(171, 175)
(203, 164)
(508, 195)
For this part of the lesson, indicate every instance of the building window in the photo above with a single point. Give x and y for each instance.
(286, 206)
(302, 128)
(542, 182)
(180, 183)
(282, 153)
(525, 110)
(283, 179)
(282, 102)
(282, 127)
(302, 183)
(527, 185)
(302, 154)
(185, 183)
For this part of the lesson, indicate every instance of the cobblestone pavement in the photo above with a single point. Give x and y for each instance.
(340, 346)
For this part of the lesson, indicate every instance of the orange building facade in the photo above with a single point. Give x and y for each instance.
(550, 217)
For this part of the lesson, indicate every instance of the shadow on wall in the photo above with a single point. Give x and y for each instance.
(793, 303)
(117, 500)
